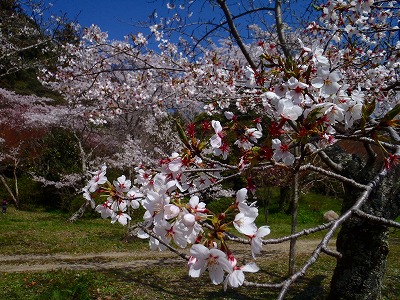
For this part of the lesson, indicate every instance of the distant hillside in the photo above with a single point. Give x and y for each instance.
(25, 82)
(25, 47)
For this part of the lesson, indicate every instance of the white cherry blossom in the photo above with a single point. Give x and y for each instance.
(176, 162)
(281, 152)
(236, 278)
(105, 209)
(296, 90)
(171, 211)
(98, 179)
(122, 184)
(135, 197)
(245, 224)
(216, 140)
(327, 82)
(288, 110)
(256, 240)
(121, 217)
(253, 134)
(214, 260)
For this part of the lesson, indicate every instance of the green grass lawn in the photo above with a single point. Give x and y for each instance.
(49, 233)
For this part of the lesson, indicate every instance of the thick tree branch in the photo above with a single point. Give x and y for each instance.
(79, 213)
(393, 86)
(375, 219)
(393, 134)
(16, 51)
(216, 27)
(371, 153)
(14, 198)
(329, 162)
(235, 33)
(367, 140)
(280, 28)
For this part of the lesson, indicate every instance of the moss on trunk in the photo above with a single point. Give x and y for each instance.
(363, 244)
(359, 273)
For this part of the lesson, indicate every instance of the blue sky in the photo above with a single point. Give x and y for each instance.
(114, 16)
(118, 17)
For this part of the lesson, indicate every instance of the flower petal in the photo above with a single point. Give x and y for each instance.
(251, 267)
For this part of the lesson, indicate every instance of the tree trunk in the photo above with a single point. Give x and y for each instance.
(16, 182)
(294, 205)
(359, 273)
(284, 198)
(364, 245)
(15, 199)
(79, 213)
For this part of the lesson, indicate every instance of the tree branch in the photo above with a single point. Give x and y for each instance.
(24, 48)
(9, 191)
(330, 252)
(329, 162)
(393, 134)
(371, 153)
(235, 33)
(280, 28)
(367, 140)
(172, 249)
(304, 232)
(216, 27)
(359, 213)
(333, 175)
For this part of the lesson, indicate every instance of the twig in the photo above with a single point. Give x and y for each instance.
(330, 252)
(367, 140)
(304, 232)
(264, 285)
(172, 249)
(333, 175)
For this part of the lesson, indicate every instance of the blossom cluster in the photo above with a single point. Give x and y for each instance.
(173, 216)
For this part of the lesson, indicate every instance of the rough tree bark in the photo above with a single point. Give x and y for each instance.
(363, 244)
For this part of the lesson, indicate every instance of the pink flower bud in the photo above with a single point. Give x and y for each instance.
(189, 220)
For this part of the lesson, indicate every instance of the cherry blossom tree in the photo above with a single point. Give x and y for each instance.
(29, 41)
(18, 136)
(310, 90)
(28, 124)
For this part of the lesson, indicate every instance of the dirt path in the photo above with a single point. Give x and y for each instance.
(34, 263)
(108, 260)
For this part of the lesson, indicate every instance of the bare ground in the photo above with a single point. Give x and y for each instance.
(137, 259)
